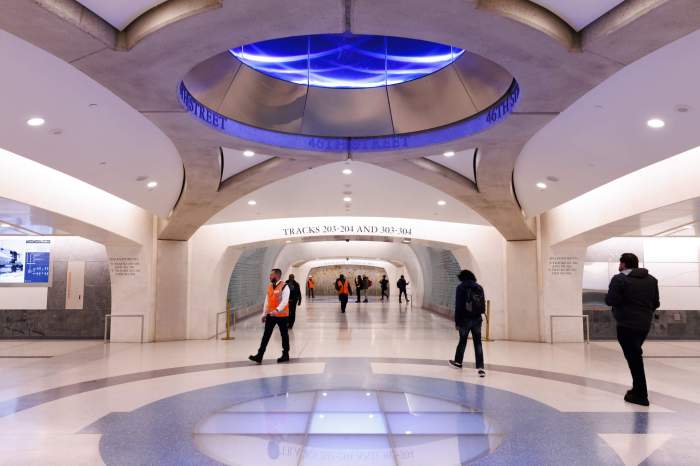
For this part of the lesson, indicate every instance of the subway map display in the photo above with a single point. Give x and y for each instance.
(24, 261)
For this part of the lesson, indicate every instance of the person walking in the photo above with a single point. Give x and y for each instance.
(470, 303)
(384, 284)
(366, 283)
(633, 295)
(358, 287)
(275, 313)
(342, 286)
(294, 299)
(402, 284)
(310, 285)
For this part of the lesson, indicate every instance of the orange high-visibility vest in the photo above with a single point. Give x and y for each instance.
(343, 287)
(311, 283)
(274, 295)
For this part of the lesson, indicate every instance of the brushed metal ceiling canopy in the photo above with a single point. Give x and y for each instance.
(253, 103)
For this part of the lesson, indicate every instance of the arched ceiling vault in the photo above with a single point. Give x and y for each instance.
(553, 63)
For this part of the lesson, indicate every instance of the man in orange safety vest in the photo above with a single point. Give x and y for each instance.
(342, 286)
(275, 313)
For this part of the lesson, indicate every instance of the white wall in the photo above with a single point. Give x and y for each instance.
(674, 261)
(25, 297)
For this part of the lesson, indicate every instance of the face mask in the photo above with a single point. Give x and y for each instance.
(273, 280)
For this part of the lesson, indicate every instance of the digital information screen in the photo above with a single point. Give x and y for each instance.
(25, 261)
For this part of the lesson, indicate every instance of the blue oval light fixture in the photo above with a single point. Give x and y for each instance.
(347, 61)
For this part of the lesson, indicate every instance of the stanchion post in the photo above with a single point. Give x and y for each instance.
(228, 321)
(488, 319)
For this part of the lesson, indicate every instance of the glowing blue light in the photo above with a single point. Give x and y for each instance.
(347, 60)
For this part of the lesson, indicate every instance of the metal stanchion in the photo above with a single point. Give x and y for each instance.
(228, 321)
(488, 320)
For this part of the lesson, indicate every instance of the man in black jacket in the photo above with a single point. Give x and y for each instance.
(470, 303)
(294, 299)
(634, 296)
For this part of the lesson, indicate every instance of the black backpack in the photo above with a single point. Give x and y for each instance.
(476, 301)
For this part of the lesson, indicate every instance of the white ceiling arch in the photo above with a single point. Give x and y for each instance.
(579, 13)
(604, 134)
(374, 192)
(119, 13)
(89, 133)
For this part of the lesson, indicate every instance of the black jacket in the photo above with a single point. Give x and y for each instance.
(384, 283)
(294, 291)
(359, 283)
(469, 291)
(633, 298)
(401, 284)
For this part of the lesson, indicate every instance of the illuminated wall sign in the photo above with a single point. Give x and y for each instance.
(332, 228)
(475, 124)
(24, 261)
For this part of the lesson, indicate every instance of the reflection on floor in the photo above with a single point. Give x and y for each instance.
(368, 387)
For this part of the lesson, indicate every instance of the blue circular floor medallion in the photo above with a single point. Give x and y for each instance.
(347, 427)
(348, 61)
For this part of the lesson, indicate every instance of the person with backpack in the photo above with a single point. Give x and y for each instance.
(342, 286)
(366, 283)
(294, 299)
(470, 304)
(358, 287)
(402, 284)
(384, 283)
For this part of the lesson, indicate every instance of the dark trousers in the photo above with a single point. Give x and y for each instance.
(292, 313)
(343, 301)
(359, 293)
(631, 341)
(402, 291)
(385, 294)
(310, 293)
(270, 323)
(473, 326)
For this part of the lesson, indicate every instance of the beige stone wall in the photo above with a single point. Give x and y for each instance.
(325, 278)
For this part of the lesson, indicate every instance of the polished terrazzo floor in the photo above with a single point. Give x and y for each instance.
(369, 387)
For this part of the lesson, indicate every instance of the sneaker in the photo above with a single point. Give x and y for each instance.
(482, 373)
(255, 358)
(455, 364)
(633, 398)
(284, 358)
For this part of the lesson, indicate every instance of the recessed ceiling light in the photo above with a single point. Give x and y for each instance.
(252, 202)
(347, 199)
(441, 203)
(248, 153)
(36, 121)
(656, 123)
(151, 184)
(4, 225)
(347, 171)
(449, 153)
(541, 185)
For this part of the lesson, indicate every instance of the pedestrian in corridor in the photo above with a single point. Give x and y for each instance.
(275, 314)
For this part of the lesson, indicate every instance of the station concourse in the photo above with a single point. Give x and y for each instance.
(167, 165)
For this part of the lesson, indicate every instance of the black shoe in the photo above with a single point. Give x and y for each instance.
(633, 398)
(482, 373)
(284, 358)
(255, 358)
(455, 364)
(365, 301)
